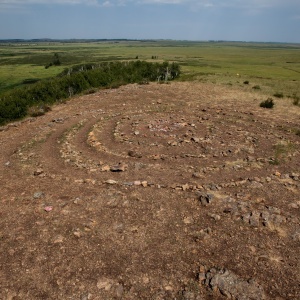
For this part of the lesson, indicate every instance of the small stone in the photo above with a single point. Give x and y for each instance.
(92, 181)
(79, 181)
(7, 164)
(59, 239)
(185, 187)
(195, 139)
(144, 183)
(132, 153)
(197, 175)
(173, 143)
(38, 195)
(105, 168)
(294, 205)
(48, 208)
(58, 120)
(205, 199)
(119, 227)
(86, 296)
(136, 132)
(104, 284)
(188, 220)
(202, 234)
(77, 200)
(216, 217)
(111, 181)
(119, 290)
(119, 168)
(77, 233)
(256, 185)
(254, 219)
(137, 182)
(296, 237)
(146, 280)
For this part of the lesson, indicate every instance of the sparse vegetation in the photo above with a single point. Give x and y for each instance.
(256, 87)
(281, 152)
(296, 101)
(269, 103)
(39, 110)
(278, 95)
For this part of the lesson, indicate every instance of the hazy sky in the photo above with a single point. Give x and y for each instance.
(241, 20)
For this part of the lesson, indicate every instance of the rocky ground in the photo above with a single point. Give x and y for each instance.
(173, 191)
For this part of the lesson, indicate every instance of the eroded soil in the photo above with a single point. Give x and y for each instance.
(175, 191)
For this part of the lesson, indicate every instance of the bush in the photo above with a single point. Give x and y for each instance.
(246, 82)
(269, 103)
(256, 87)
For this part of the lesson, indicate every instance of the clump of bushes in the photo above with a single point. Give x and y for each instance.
(18, 103)
(269, 103)
(246, 82)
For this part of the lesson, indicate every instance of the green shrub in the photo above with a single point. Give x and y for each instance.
(269, 103)
(256, 87)
(246, 82)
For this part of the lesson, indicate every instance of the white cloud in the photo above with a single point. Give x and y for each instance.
(258, 4)
(26, 2)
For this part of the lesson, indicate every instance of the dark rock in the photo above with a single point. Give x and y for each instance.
(38, 172)
(232, 286)
(205, 199)
(135, 154)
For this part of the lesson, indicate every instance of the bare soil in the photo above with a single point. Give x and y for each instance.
(160, 191)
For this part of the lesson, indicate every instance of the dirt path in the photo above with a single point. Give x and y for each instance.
(175, 191)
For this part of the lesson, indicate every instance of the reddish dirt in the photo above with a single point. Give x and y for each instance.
(152, 192)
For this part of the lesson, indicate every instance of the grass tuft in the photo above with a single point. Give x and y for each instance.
(278, 95)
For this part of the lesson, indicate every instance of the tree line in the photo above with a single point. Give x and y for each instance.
(15, 104)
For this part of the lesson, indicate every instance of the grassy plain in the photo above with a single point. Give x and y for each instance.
(271, 68)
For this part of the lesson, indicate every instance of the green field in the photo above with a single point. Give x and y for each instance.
(271, 68)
